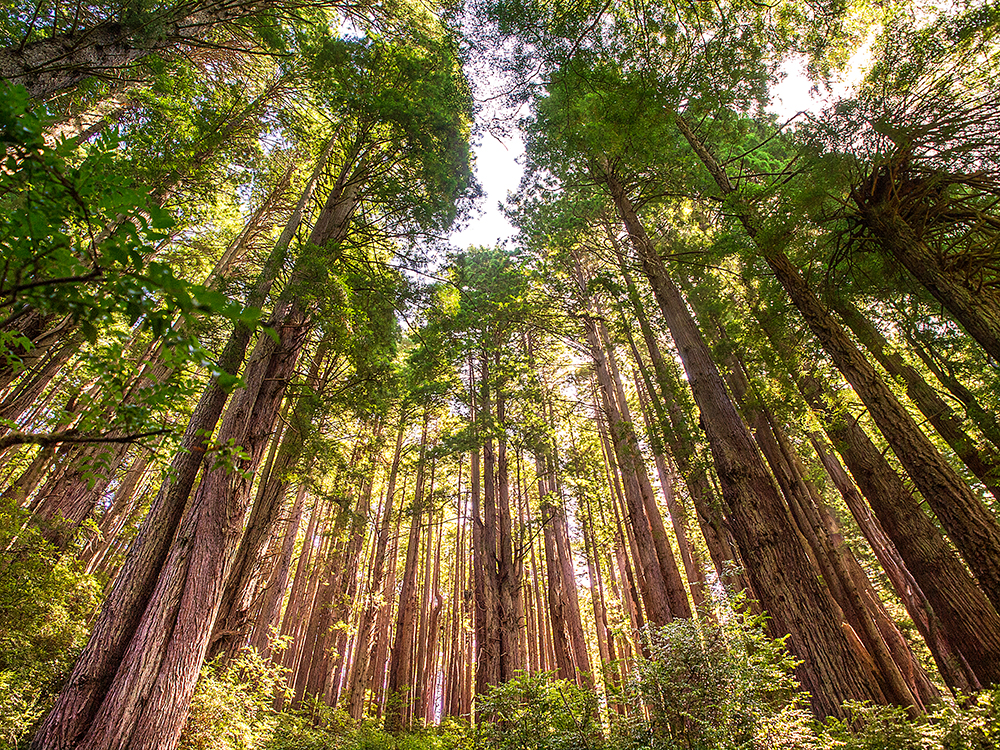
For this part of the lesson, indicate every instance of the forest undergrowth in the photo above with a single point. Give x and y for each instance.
(714, 683)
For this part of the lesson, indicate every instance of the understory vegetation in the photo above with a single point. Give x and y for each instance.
(703, 685)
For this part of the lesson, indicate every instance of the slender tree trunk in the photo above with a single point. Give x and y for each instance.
(263, 634)
(358, 682)
(985, 465)
(984, 419)
(398, 689)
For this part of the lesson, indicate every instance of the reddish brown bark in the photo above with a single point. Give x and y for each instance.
(779, 570)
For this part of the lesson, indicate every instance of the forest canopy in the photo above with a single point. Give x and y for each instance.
(706, 455)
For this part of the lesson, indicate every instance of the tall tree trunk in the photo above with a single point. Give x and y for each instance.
(358, 681)
(909, 592)
(263, 634)
(678, 515)
(973, 529)
(976, 309)
(76, 707)
(398, 689)
(778, 569)
(652, 583)
(985, 465)
(967, 615)
(677, 597)
(984, 419)
(234, 619)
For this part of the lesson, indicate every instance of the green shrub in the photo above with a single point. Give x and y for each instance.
(975, 725)
(871, 727)
(232, 705)
(46, 601)
(537, 713)
(717, 686)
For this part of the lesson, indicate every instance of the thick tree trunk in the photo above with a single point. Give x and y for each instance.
(99, 670)
(60, 62)
(677, 597)
(909, 592)
(973, 529)
(778, 568)
(977, 310)
(967, 616)
(655, 595)
(235, 610)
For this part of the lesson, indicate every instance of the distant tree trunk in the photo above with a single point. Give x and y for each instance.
(358, 680)
(489, 639)
(27, 391)
(383, 626)
(556, 590)
(631, 598)
(778, 568)
(605, 636)
(431, 670)
(985, 420)
(453, 679)
(398, 690)
(508, 580)
(122, 505)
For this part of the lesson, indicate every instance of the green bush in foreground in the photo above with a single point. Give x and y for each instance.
(45, 602)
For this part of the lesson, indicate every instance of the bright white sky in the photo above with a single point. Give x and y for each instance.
(499, 170)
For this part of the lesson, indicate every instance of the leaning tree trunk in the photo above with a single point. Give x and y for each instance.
(967, 616)
(976, 309)
(779, 570)
(985, 465)
(83, 713)
(61, 62)
(970, 525)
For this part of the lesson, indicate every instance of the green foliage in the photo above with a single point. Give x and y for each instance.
(231, 708)
(45, 602)
(78, 238)
(720, 685)
(537, 712)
